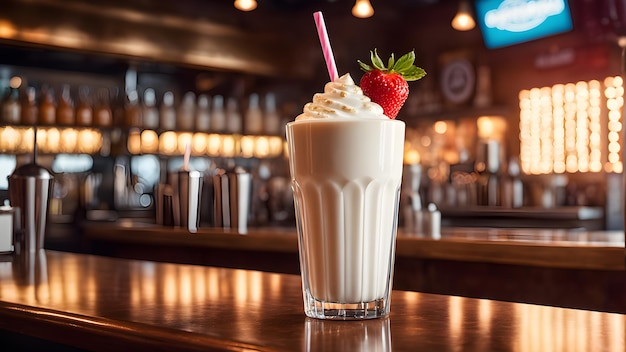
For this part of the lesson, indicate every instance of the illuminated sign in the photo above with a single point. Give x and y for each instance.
(508, 22)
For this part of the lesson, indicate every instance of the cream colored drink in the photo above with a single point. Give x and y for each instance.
(346, 168)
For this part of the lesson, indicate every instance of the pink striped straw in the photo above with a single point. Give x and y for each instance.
(326, 48)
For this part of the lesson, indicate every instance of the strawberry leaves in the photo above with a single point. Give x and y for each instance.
(387, 85)
(403, 66)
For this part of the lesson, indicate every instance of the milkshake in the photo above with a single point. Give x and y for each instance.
(346, 168)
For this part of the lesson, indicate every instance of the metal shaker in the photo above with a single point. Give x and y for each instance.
(30, 186)
(189, 194)
(232, 199)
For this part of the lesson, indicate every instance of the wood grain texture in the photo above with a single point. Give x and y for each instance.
(101, 303)
(594, 250)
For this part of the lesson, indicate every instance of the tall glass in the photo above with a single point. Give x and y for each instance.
(346, 177)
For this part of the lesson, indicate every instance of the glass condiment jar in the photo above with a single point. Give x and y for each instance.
(102, 110)
(253, 123)
(218, 116)
(30, 111)
(47, 108)
(203, 115)
(11, 108)
(167, 118)
(149, 112)
(233, 116)
(271, 122)
(65, 107)
(186, 112)
(133, 110)
(84, 110)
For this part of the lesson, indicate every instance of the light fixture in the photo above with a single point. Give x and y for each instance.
(362, 9)
(463, 20)
(245, 5)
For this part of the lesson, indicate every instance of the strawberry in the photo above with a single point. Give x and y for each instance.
(387, 86)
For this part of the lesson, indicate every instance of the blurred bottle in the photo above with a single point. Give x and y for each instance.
(47, 107)
(218, 116)
(254, 116)
(186, 112)
(65, 107)
(118, 106)
(271, 124)
(11, 108)
(103, 117)
(150, 112)
(512, 185)
(167, 112)
(29, 107)
(233, 117)
(84, 111)
(133, 110)
(203, 115)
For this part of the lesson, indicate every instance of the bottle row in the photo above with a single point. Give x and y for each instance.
(105, 108)
(29, 106)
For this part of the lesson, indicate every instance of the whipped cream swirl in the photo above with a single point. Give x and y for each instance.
(342, 99)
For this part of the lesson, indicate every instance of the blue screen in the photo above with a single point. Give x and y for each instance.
(508, 22)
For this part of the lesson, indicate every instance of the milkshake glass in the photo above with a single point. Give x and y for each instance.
(345, 160)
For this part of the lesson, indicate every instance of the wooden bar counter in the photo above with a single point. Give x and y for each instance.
(574, 269)
(68, 301)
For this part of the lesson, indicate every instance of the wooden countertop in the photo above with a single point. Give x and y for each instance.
(102, 303)
(594, 250)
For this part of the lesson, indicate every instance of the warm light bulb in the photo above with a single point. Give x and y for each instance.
(276, 146)
(362, 9)
(134, 142)
(247, 146)
(149, 141)
(412, 157)
(463, 20)
(168, 143)
(245, 5)
(15, 82)
(214, 144)
(261, 149)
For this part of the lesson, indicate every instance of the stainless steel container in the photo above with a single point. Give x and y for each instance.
(232, 199)
(164, 200)
(189, 195)
(30, 186)
(8, 225)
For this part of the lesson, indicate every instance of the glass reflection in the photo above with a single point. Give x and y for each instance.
(198, 298)
(367, 335)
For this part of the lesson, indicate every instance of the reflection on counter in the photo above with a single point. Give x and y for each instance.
(363, 335)
(195, 298)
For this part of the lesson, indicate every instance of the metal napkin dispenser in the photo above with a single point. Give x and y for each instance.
(232, 198)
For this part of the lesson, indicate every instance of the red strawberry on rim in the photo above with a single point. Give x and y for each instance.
(387, 85)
